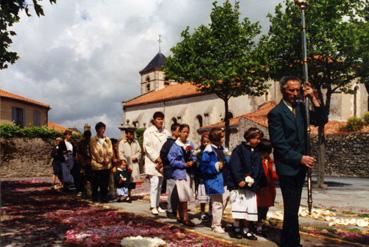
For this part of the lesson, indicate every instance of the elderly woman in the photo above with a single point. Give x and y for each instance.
(101, 162)
(154, 138)
(65, 153)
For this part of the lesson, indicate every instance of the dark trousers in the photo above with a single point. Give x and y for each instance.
(291, 187)
(76, 173)
(100, 179)
(262, 213)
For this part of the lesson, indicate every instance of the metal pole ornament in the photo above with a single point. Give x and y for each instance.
(302, 4)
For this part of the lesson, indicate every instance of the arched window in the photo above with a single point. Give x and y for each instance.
(266, 96)
(174, 120)
(199, 120)
(147, 78)
(148, 87)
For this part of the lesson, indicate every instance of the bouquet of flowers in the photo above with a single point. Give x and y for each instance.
(187, 152)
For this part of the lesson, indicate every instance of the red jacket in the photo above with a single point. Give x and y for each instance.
(266, 195)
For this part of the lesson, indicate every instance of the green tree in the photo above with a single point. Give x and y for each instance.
(219, 57)
(333, 30)
(10, 11)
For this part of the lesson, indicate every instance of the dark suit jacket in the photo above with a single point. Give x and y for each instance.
(168, 169)
(288, 135)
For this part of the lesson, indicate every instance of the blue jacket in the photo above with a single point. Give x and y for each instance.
(176, 158)
(213, 179)
(245, 162)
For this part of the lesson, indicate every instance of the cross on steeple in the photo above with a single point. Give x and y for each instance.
(159, 41)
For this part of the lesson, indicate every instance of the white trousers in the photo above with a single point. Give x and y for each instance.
(155, 190)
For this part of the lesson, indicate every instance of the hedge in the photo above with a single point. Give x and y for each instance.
(10, 131)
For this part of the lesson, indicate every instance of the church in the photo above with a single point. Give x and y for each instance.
(183, 103)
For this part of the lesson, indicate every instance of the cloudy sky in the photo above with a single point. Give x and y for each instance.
(84, 56)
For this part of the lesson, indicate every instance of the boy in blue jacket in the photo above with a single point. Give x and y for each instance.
(211, 168)
(245, 176)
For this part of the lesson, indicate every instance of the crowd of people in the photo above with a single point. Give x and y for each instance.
(106, 169)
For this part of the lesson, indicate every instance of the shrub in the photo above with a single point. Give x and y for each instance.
(366, 117)
(354, 124)
(11, 130)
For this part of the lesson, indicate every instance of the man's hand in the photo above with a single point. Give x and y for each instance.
(311, 93)
(189, 164)
(242, 184)
(307, 161)
(158, 161)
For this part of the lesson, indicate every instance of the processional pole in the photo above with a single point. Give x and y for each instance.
(302, 4)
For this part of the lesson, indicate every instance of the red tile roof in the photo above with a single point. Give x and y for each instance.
(9, 95)
(260, 117)
(55, 126)
(171, 92)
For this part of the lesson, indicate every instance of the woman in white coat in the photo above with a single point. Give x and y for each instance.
(154, 138)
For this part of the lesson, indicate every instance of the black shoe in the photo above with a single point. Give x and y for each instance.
(171, 215)
(250, 236)
(234, 234)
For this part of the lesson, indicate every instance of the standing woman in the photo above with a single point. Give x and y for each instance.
(182, 158)
(101, 154)
(154, 138)
(66, 156)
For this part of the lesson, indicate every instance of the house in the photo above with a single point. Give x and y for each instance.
(22, 111)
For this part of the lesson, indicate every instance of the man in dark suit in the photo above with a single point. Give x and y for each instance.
(288, 132)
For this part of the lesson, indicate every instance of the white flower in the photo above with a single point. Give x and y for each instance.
(249, 180)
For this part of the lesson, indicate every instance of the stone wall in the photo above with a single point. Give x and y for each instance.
(22, 157)
(346, 154)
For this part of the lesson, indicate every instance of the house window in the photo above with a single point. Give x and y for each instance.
(36, 118)
(18, 116)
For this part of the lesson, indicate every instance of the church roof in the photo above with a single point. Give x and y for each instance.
(155, 64)
(171, 92)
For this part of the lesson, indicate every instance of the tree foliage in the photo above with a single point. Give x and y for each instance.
(10, 11)
(337, 35)
(220, 57)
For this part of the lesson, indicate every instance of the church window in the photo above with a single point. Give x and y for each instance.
(199, 120)
(148, 78)
(148, 87)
